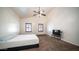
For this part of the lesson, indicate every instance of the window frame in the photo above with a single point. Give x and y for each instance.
(42, 27)
(28, 27)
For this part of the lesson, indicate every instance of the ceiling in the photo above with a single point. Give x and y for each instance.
(28, 11)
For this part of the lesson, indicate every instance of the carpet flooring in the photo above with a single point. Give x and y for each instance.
(47, 43)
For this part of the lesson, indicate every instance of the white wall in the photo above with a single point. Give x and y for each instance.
(9, 24)
(67, 20)
(35, 21)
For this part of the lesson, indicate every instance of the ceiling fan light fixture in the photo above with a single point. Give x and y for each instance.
(40, 12)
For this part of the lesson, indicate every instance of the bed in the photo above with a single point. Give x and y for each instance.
(20, 41)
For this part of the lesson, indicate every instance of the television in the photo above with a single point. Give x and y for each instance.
(57, 32)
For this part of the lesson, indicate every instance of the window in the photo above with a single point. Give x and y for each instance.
(28, 27)
(40, 27)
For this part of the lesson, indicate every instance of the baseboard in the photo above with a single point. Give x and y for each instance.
(69, 43)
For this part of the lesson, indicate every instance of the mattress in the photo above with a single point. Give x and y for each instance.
(20, 40)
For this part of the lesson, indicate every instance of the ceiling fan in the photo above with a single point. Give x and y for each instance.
(39, 12)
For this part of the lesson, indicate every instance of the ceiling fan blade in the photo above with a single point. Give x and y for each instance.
(43, 14)
(34, 14)
(35, 11)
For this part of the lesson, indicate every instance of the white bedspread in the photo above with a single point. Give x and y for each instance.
(20, 40)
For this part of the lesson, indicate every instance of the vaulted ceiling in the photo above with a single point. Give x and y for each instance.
(28, 11)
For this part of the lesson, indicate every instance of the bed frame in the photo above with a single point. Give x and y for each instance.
(21, 48)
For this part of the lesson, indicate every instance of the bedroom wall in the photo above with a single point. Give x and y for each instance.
(9, 24)
(67, 20)
(35, 20)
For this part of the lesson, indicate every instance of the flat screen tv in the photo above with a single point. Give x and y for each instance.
(56, 32)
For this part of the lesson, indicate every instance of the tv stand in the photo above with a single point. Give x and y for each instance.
(56, 34)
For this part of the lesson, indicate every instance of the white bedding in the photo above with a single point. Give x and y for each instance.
(20, 40)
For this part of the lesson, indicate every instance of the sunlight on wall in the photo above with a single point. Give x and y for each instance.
(12, 28)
